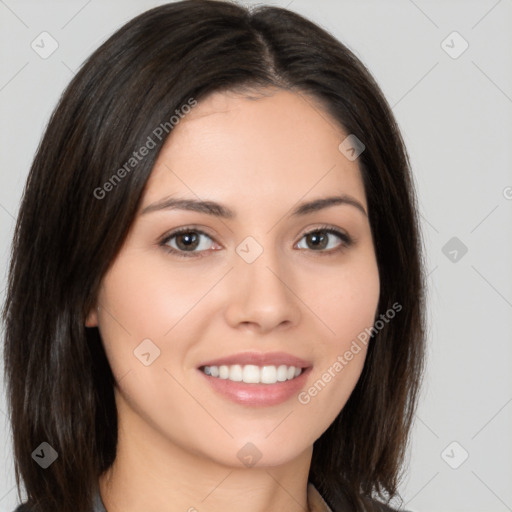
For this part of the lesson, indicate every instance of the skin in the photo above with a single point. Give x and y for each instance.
(178, 438)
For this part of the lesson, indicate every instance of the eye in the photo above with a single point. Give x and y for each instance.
(321, 240)
(186, 240)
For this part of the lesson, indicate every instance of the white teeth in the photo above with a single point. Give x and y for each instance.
(223, 371)
(268, 375)
(282, 373)
(235, 373)
(253, 374)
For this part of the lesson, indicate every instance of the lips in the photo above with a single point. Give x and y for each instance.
(259, 359)
(256, 379)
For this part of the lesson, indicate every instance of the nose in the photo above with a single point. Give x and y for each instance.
(263, 297)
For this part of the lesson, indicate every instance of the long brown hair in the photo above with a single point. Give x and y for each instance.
(58, 380)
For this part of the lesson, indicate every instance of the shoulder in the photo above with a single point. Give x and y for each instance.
(317, 503)
(97, 506)
(379, 506)
(382, 507)
(23, 508)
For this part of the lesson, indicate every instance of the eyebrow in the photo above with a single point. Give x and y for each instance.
(222, 211)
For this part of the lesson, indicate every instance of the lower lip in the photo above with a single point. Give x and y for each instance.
(258, 394)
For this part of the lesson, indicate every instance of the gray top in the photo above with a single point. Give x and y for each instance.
(97, 504)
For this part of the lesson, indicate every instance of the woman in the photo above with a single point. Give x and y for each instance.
(207, 299)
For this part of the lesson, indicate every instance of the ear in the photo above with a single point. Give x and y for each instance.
(92, 318)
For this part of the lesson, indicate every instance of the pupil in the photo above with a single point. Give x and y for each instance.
(315, 237)
(189, 237)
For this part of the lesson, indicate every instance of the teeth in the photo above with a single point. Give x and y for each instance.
(252, 374)
(235, 373)
(268, 375)
(282, 373)
(223, 371)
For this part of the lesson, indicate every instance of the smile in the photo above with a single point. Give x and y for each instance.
(253, 374)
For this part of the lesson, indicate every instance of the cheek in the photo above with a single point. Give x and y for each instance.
(348, 308)
(144, 299)
(346, 301)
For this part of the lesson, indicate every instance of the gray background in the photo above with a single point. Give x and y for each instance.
(456, 118)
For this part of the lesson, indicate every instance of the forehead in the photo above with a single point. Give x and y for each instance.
(272, 146)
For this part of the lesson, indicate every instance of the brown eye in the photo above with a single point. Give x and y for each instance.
(187, 242)
(317, 240)
(324, 240)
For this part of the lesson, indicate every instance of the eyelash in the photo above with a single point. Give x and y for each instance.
(346, 240)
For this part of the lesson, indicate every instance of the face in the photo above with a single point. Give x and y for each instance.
(265, 285)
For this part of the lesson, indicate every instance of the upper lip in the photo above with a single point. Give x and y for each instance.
(259, 359)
